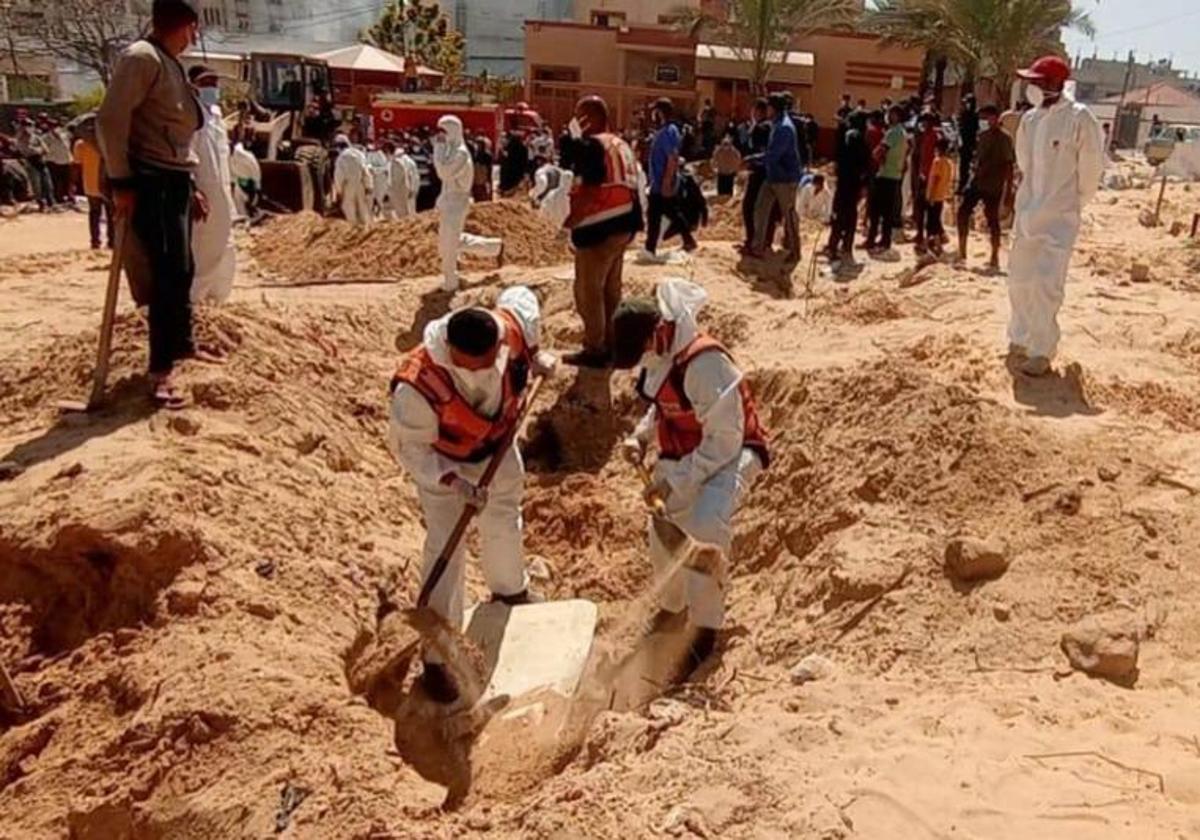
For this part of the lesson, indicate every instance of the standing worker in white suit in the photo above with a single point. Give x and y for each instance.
(1060, 154)
(456, 169)
(403, 182)
(711, 445)
(352, 182)
(213, 249)
(454, 400)
(380, 166)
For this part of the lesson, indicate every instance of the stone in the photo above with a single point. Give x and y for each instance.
(969, 559)
(184, 598)
(73, 471)
(811, 668)
(1107, 473)
(533, 646)
(1177, 228)
(539, 569)
(1139, 272)
(10, 470)
(1146, 218)
(1001, 612)
(1104, 649)
(183, 424)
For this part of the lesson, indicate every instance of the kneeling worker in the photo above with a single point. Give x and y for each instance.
(710, 441)
(454, 399)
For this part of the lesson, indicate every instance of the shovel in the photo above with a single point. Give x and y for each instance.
(10, 697)
(104, 351)
(700, 557)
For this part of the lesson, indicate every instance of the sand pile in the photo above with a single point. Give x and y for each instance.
(305, 247)
(724, 221)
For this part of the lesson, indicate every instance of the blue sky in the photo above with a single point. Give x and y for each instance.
(1152, 28)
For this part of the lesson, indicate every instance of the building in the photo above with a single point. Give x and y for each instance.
(1098, 78)
(618, 13)
(632, 65)
(307, 20)
(494, 30)
(1134, 114)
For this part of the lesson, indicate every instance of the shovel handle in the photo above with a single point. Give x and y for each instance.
(657, 505)
(464, 519)
(111, 293)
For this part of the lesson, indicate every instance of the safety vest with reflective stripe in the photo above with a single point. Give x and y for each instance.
(463, 433)
(592, 205)
(679, 430)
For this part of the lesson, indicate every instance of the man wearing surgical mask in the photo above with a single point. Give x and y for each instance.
(213, 249)
(454, 400)
(456, 168)
(1060, 154)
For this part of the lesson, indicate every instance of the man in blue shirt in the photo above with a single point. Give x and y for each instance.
(664, 179)
(782, 168)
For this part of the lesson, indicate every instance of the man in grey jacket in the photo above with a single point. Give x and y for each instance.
(145, 127)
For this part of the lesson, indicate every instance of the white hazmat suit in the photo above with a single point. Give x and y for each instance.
(405, 182)
(352, 181)
(213, 250)
(456, 169)
(412, 431)
(556, 206)
(246, 173)
(1060, 153)
(545, 180)
(707, 484)
(381, 178)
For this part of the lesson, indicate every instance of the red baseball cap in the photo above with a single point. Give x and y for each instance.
(1048, 68)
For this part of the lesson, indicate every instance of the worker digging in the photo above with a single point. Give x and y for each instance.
(442, 445)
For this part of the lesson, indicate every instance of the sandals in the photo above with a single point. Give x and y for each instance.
(166, 395)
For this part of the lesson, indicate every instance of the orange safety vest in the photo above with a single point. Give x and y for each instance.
(679, 430)
(614, 198)
(463, 433)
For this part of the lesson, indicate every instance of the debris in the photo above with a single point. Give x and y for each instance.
(184, 598)
(969, 559)
(10, 470)
(1069, 502)
(684, 819)
(1103, 649)
(1001, 612)
(73, 471)
(1146, 218)
(1139, 272)
(1107, 474)
(289, 800)
(1177, 228)
(811, 668)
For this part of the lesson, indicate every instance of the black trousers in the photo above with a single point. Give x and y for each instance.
(933, 219)
(663, 206)
(162, 221)
(885, 198)
(845, 222)
(98, 206)
(920, 207)
(971, 199)
(725, 184)
(750, 201)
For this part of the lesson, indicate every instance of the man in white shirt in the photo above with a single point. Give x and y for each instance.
(814, 201)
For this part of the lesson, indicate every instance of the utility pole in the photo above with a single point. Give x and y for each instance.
(1116, 129)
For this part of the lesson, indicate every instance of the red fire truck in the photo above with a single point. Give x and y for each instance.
(395, 113)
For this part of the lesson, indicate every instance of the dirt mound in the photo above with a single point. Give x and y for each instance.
(306, 247)
(724, 221)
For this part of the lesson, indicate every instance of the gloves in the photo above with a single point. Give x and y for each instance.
(657, 492)
(474, 496)
(545, 364)
(633, 451)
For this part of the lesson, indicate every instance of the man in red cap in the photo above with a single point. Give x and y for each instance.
(1060, 153)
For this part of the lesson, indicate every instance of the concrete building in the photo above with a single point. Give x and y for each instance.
(307, 20)
(633, 65)
(494, 30)
(1098, 78)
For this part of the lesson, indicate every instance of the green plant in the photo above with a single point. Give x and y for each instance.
(85, 103)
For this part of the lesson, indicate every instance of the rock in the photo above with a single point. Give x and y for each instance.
(1146, 219)
(539, 569)
(811, 668)
(683, 820)
(1177, 228)
(261, 609)
(183, 424)
(1107, 473)
(1139, 272)
(185, 598)
(969, 559)
(73, 471)
(10, 470)
(1069, 502)
(1001, 612)
(1103, 649)
(123, 637)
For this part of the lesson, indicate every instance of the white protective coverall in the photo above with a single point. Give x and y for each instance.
(380, 181)
(456, 168)
(405, 181)
(556, 207)
(352, 181)
(1060, 153)
(412, 430)
(545, 180)
(814, 206)
(213, 250)
(708, 483)
(243, 166)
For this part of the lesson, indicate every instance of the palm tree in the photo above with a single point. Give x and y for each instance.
(760, 31)
(979, 37)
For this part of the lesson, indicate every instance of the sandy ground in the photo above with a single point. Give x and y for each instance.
(180, 596)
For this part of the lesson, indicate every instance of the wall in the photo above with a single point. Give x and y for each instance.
(636, 11)
(495, 30)
(308, 20)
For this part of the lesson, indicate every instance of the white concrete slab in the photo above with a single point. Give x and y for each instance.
(533, 646)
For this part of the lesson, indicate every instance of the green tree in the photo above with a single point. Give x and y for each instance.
(760, 31)
(981, 38)
(419, 29)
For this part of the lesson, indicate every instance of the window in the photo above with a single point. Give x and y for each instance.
(666, 74)
(612, 20)
(23, 88)
(213, 17)
(555, 74)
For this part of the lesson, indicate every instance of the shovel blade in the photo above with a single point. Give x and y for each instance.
(670, 535)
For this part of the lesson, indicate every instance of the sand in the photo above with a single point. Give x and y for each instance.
(181, 595)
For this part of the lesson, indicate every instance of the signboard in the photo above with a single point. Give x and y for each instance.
(666, 74)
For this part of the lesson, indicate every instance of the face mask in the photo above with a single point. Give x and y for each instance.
(210, 96)
(574, 128)
(1035, 95)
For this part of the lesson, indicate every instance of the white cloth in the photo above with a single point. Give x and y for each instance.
(814, 205)
(556, 206)
(213, 249)
(1060, 153)
(403, 181)
(706, 484)
(412, 430)
(456, 169)
(380, 168)
(352, 181)
(243, 166)
(543, 180)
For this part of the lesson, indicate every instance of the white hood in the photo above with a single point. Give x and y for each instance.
(453, 127)
(679, 301)
(453, 162)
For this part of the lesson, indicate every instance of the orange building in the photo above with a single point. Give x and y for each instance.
(633, 65)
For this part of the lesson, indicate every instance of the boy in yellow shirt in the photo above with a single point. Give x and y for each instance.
(938, 192)
(91, 164)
